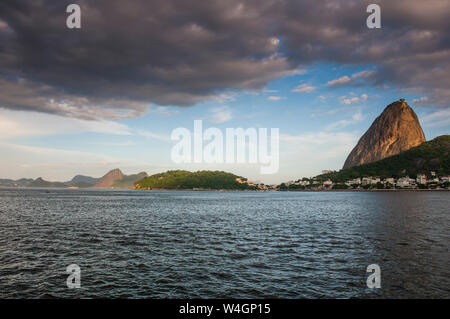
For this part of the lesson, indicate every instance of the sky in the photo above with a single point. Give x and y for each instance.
(109, 95)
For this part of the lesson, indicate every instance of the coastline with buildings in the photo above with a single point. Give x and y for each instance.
(430, 181)
(420, 182)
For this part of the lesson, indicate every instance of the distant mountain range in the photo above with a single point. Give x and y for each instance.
(23, 182)
(113, 179)
(82, 181)
(116, 179)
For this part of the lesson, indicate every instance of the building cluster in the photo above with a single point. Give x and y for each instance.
(420, 182)
(258, 185)
(264, 187)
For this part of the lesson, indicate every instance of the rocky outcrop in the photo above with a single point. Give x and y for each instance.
(397, 129)
(110, 179)
(116, 179)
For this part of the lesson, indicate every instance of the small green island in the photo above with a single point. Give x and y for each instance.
(201, 180)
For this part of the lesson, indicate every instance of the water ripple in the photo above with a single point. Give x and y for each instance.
(186, 244)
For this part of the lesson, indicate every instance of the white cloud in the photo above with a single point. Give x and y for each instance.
(20, 124)
(346, 79)
(421, 100)
(25, 124)
(436, 119)
(351, 100)
(357, 117)
(304, 88)
(152, 135)
(53, 152)
(345, 100)
(339, 81)
(334, 110)
(225, 97)
(363, 74)
(343, 123)
(276, 98)
(221, 114)
(308, 154)
(163, 110)
(318, 138)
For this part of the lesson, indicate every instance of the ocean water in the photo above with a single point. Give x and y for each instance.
(200, 244)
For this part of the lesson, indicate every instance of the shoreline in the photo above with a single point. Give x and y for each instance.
(235, 190)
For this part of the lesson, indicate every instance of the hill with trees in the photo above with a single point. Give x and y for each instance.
(433, 155)
(181, 179)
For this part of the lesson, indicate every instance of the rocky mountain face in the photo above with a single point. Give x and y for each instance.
(110, 179)
(116, 179)
(397, 129)
(113, 179)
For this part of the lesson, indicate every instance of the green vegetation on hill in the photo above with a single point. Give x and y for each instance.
(128, 181)
(429, 156)
(180, 179)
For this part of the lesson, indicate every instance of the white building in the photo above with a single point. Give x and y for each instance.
(405, 182)
(421, 179)
(356, 181)
(370, 180)
(445, 179)
(328, 183)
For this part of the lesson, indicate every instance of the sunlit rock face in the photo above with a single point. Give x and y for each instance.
(109, 179)
(397, 129)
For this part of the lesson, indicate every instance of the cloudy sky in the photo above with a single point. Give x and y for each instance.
(83, 101)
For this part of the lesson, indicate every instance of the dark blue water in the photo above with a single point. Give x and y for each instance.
(186, 244)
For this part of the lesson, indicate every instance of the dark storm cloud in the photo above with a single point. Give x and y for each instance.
(411, 51)
(130, 54)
